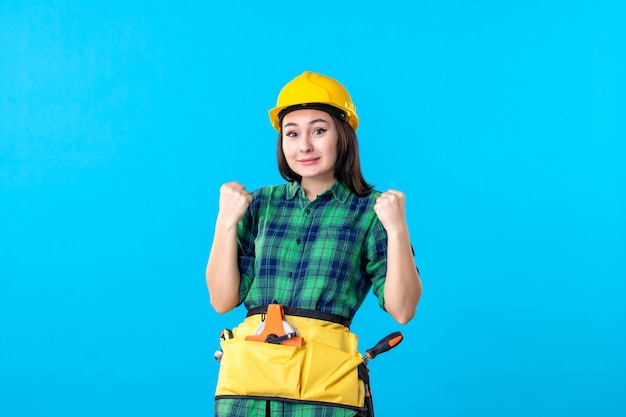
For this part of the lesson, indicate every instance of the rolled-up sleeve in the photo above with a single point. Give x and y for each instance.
(376, 260)
(246, 253)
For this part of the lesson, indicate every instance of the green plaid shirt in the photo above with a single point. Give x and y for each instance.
(321, 255)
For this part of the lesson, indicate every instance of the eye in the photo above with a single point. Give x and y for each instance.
(319, 131)
(291, 134)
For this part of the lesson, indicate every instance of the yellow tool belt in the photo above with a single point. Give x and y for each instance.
(323, 370)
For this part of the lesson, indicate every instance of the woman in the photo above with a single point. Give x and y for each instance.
(315, 246)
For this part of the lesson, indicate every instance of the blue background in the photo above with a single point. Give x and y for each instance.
(503, 122)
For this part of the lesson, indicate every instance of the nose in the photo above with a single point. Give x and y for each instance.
(305, 144)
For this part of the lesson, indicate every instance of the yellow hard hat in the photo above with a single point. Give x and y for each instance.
(310, 90)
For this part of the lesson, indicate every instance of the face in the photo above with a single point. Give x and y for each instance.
(309, 140)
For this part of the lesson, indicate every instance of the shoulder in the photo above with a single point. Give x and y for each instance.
(270, 191)
(270, 195)
(374, 194)
(368, 200)
(363, 209)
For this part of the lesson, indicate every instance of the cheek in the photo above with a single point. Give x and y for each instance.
(331, 150)
(334, 158)
(289, 147)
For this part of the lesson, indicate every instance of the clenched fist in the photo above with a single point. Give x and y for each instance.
(389, 208)
(234, 201)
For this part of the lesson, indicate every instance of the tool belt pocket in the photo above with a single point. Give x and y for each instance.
(330, 375)
(259, 369)
(317, 372)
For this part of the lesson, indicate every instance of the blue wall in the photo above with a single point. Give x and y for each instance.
(502, 121)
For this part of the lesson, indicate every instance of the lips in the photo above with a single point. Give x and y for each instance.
(308, 161)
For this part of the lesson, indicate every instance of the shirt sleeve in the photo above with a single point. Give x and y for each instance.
(376, 260)
(246, 253)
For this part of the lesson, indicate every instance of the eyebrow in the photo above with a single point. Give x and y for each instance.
(311, 122)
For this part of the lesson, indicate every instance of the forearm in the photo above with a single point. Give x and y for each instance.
(222, 271)
(403, 287)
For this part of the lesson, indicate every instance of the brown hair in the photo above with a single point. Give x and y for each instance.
(347, 166)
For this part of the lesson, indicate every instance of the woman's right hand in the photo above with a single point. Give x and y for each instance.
(234, 201)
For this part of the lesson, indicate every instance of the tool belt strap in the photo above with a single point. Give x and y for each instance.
(302, 312)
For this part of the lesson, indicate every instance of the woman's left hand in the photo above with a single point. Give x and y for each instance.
(403, 287)
(389, 208)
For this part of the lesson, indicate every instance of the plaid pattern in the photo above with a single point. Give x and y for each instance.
(263, 408)
(321, 255)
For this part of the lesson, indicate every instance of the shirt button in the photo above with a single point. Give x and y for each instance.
(298, 241)
(308, 211)
(290, 275)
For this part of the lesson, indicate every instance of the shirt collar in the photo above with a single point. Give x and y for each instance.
(339, 191)
(292, 189)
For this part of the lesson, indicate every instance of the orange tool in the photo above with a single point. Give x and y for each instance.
(273, 329)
